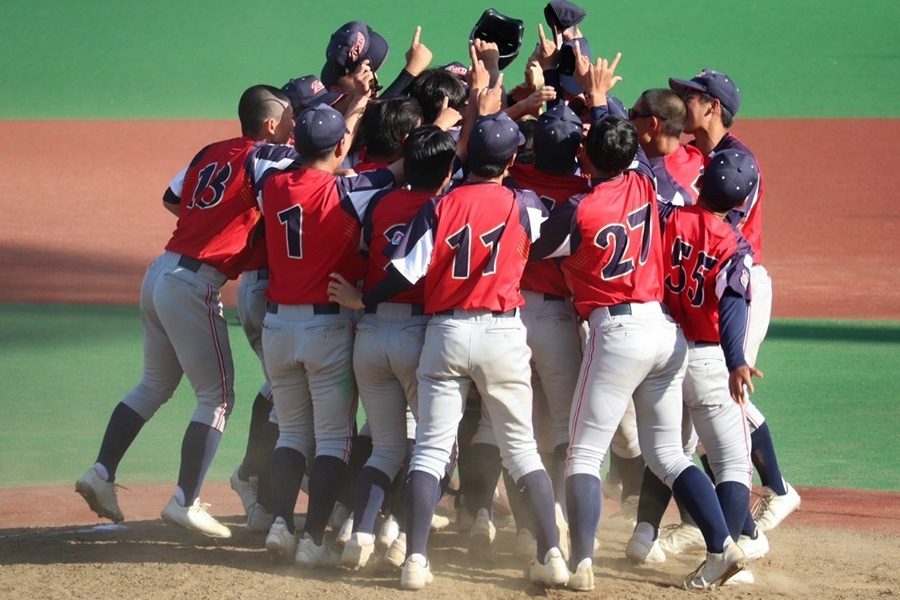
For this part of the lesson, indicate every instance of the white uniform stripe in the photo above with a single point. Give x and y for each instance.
(177, 184)
(536, 218)
(415, 264)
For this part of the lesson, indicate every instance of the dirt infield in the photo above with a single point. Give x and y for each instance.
(822, 552)
(83, 216)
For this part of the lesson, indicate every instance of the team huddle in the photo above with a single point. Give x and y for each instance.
(511, 281)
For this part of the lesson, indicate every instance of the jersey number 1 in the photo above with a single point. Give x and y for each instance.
(292, 219)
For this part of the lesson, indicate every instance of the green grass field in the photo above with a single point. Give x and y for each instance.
(829, 394)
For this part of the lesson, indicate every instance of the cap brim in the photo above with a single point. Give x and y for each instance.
(330, 74)
(378, 50)
(570, 85)
(681, 86)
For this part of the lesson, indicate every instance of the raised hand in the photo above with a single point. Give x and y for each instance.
(418, 57)
(546, 51)
(448, 117)
(478, 76)
(490, 100)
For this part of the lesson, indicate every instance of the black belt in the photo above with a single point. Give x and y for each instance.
(191, 264)
(553, 298)
(705, 344)
(618, 310)
(318, 309)
(496, 313)
(415, 310)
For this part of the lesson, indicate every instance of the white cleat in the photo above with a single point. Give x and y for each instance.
(772, 509)
(754, 548)
(482, 533)
(358, 550)
(281, 544)
(416, 573)
(582, 580)
(744, 577)
(259, 519)
(717, 569)
(195, 517)
(100, 495)
(642, 548)
(345, 531)
(389, 531)
(339, 515)
(552, 572)
(683, 537)
(439, 522)
(247, 490)
(309, 554)
(396, 554)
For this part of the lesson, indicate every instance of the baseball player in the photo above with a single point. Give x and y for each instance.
(251, 480)
(614, 270)
(712, 100)
(312, 219)
(390, 335)
(184, 329)
(707, 292)
(470, 246)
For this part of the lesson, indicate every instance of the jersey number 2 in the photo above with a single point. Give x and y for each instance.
(461, 242)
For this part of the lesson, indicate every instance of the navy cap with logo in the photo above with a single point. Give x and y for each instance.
(318, 129)
(308, 91)
(563, 14)
(494, 138)
(350, 45)
(729, 178)
(718, 85)
(566, 66)
(558, 130)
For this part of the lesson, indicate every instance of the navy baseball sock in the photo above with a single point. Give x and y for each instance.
(396, 501)
(124, 426)
(288, 466)
(583, 500)
(764, 459)
(371, 489)
(483, 477)
(268, 439)
(520, 512)
(324, 480)
(422, 494)
(259, 417)
(655, 497)
(360, 451)
(197, 452)
(694, 489)
(537, 491)
(631, 471)
(734, 498)
(684, 514)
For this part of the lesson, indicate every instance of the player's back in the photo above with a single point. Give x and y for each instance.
(701, 254)
(218, 209)
(677, 175)
(310, 233)
(616, 253)
(544, 276)
(481, 243)
(386, 219)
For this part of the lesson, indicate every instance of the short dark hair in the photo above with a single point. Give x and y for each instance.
(258, 103)
(727, 117)
(667, 106)
(526, 154)
(611, 144)
(488, 169)
(427, 155)
(307, 156)
(432, 86)
(386, 122)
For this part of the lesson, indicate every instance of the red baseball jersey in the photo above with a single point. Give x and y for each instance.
(366, 166)
(312, 221)
(704, 256)
(677, 175)
(218, 211)
(386, 219)
(471, 246)
(748, 216)
(544, 276)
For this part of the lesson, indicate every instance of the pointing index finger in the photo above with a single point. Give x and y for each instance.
(416, 35)
(541, 35)
(615, 62)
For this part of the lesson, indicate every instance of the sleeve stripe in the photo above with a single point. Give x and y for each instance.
(414, 265)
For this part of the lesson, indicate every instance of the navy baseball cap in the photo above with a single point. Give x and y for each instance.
(728, 179)
(566, 66)
(563, 14)
(350, 45)
(308, 91)
(718, 85)
(318, 128)
(558, 130)
(494, 138)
